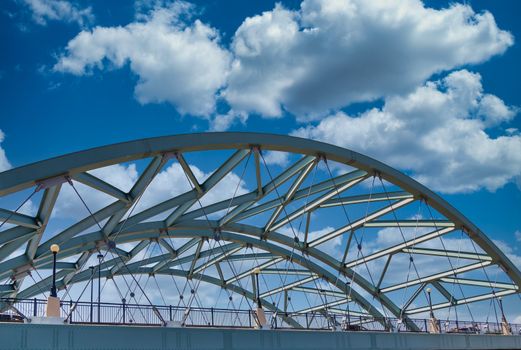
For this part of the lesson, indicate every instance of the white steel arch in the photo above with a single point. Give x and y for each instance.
(248, 225)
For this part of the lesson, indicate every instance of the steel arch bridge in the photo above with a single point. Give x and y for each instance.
(326, 229)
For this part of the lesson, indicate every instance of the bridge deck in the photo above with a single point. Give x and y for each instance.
(38, 336)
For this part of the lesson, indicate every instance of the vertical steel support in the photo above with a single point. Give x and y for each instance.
(100, 257)
(53, 288)
(91, 294)
(123, 301)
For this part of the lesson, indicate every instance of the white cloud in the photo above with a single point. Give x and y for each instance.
(509, 251)
(169, 183)
(69, 205)
(176, 63)
(44, 11)
(331, 53)
(223, 122)
(437, 132)
(172, 181)
(332, 247)
(4, 162)
(276, 158)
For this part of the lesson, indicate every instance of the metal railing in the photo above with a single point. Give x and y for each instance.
(22, 310)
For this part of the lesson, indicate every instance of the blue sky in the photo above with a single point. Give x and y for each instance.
(46, 113)
(431, 89)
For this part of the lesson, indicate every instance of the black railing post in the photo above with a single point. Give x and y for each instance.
(249, 317)
(100, 258)
(211, 311)
(70, 311)
(123, 301)
(35, 307)
(91, 293)
(425, 323)
(170, 312)
(307, 323)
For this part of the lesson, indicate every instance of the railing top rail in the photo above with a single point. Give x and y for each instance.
(139, 314)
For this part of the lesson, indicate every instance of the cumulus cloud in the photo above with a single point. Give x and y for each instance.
(276, 158)
(179, 63)
(168, 183)
(223, 122)
(69, 205)
(438, 133)
(172, 181)
(44, 11)
(4, 162)
(329, 54)
(509, 251)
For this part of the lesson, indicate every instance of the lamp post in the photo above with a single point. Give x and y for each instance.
(261, 317)
(257, 271)
(54, 249)
(430, 302)
(100, 258)
(500, 299)
(52, 308)
(505, 327)
(91, 293)
(434, 326)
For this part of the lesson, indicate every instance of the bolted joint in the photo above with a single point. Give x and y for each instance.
(217, 234)
(110, 244)
(321, 157)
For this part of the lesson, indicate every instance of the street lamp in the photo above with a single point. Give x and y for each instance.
(434, 326)
(52, 308)
(430, 301)
(257, 271)
(261, 317)
(54, 249)
(501, 307)
(91, 292)
(505, 327)
(100, 259)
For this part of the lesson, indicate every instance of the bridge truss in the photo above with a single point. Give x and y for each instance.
(241, 219)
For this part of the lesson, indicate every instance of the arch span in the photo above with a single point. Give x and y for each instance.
(260, 218)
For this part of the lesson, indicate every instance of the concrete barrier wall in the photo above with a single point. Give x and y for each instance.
(32, 336)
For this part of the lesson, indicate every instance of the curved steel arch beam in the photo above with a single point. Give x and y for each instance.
(74, 163)
(152, 230)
